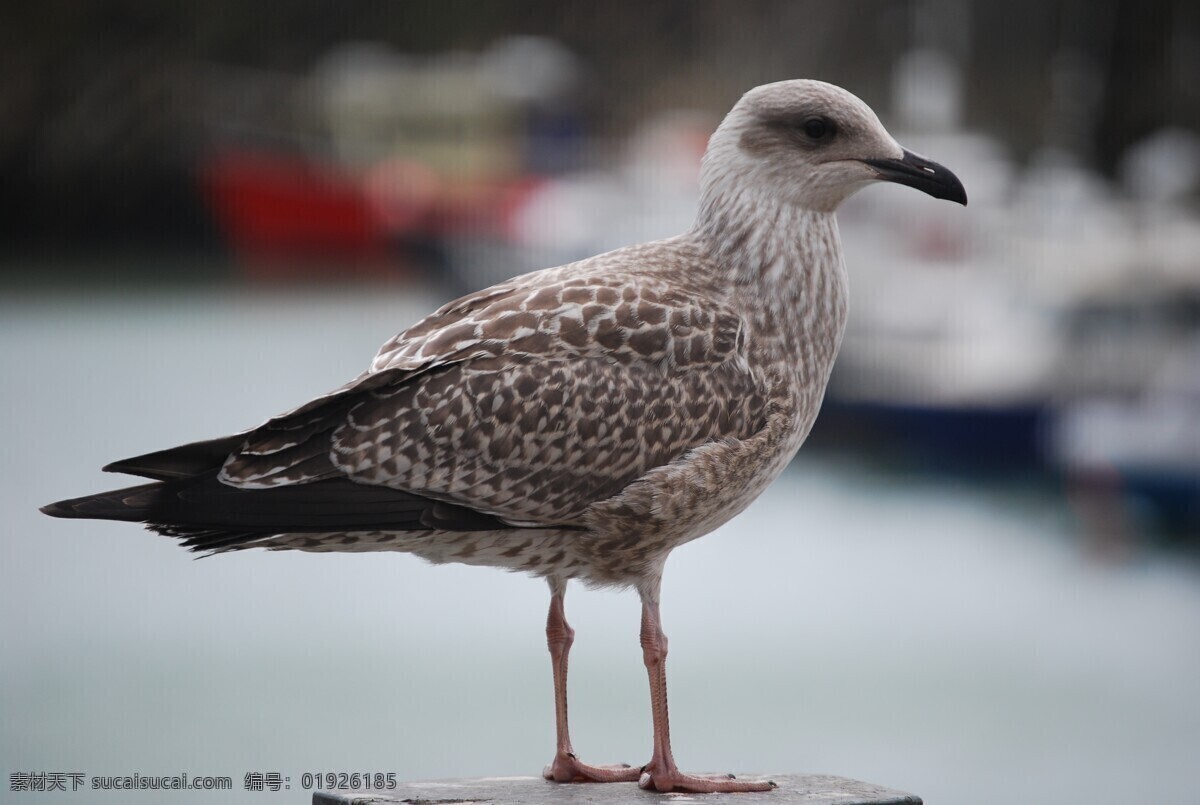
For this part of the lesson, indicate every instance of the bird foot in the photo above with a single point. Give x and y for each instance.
(567, 768)
(665, 780)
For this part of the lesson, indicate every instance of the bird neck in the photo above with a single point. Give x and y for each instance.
(783, 269)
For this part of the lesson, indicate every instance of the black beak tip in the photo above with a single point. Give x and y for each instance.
(956, 192)
(914, 170)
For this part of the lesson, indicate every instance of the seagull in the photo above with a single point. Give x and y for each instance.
(578, 422)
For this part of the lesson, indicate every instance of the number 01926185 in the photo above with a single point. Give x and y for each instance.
(354, 781)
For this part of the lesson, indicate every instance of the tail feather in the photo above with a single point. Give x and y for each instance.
(207, 514)
(119, 504)
(213, 541)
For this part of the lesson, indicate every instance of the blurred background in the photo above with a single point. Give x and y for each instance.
(977, 582)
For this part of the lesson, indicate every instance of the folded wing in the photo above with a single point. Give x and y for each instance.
(534, 405)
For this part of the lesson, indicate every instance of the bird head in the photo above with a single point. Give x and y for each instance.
(813, 144)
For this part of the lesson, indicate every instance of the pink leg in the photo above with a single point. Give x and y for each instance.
(566, 768)
(661, 773)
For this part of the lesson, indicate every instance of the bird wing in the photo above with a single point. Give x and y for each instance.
(527, 402)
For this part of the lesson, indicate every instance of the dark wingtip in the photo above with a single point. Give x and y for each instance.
(132, 466)
(184, 461)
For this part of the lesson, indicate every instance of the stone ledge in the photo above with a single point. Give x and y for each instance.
(810, 789)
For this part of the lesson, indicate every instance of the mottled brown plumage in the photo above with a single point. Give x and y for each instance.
(582, 421)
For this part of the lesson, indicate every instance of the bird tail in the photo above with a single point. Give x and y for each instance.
(132, 504)
(208, 515)
(141, 504)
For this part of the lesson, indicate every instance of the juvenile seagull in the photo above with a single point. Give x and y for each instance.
(578, 422)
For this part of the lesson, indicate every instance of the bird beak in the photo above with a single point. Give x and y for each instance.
(924, 174)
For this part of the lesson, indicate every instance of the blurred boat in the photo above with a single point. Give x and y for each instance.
(945, 362)
(965, 339)
(289, 217)
(1139, 458)
(378, 160)
(272, 208)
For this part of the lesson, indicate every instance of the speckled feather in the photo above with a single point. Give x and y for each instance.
(535, 402)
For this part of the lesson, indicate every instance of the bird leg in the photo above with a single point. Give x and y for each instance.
(566, 768)
(661, 773)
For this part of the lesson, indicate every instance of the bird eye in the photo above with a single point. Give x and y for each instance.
(818, 128)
